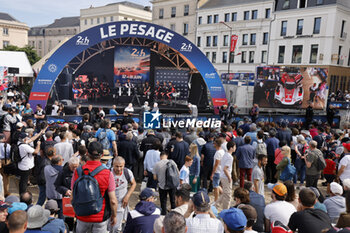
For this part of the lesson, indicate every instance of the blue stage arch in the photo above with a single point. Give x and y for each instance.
(114, 30)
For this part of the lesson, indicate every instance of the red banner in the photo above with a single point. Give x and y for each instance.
(234, 39)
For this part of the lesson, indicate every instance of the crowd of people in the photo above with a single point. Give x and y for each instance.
(95, 165)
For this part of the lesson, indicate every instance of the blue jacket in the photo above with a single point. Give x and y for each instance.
(195, 168)
(272, 144)
(245, 155)
(142, 218)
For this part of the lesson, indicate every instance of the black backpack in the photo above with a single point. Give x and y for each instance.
(320, 163)
(87, 198)
(172, 179)
(15, 157)
(76, 145)
(2, 122)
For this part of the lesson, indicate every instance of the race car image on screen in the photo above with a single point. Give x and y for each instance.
(289, 91)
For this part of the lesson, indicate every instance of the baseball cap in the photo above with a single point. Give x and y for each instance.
(19, 125)
(52, 205)
(347, 146)
(280, 189)
(11, 199)
(336, 188)
(147, 193)
(201, 198)
(234, 219)
(315, 190)
(4, 205)
(17, 206)
(22, 135)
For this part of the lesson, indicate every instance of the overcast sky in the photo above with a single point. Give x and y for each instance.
(41, 12)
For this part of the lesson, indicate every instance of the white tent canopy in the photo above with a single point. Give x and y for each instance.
(17, 60)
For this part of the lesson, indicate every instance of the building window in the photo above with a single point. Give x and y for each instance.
(251, 56)
(246, 15)
(265, 37)
(234, 16)
(252, 39)
(281, 51)
(98, 20)
(286, 4)
(216, 18)
(319, 2)
(213, 57)
(302, 3)
(227, 17)
(91, 21)
(215, 40)
(172, 27)
(283, 28)
(125, 18)
(5, 31)
(207, 54)
(161, 13)
(173, 12)
(199, 20)
(186, 10)
(85, 22)
(198, 41)
(245, 39)
(297, 53)
(342, 33)
(339, 54)
(225, 43)
(267, 13)
(104, 20)
(313, 53)
(254, 14)
(112, 19)
(300, 26)
(40, 44)
(5, 44)
(263, 56)
(208, 41)
(231, 58)
(209, 19)
(185, 29)
(244, 57)
(317, 25)
(224, 57)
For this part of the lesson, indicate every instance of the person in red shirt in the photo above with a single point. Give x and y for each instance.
(330, 170)
(97, 223)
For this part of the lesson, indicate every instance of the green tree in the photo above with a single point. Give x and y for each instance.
(31, 53)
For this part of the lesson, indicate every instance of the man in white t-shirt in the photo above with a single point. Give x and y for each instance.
(226, 177)
(344, 164)
(55, 108)
(121, 191)
(26, 152)
(215, 176)
(278, 209)
(258, 174)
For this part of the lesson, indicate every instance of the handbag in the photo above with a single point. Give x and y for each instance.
(67, 207)
(288, 172)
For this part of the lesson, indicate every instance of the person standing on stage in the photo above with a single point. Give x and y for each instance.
(129, 86)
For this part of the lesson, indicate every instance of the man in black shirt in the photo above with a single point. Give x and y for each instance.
(308, 219)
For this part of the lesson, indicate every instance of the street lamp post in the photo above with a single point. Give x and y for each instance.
(229, 49)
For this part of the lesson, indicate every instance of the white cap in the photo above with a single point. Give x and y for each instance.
(19, 125)
(336, 188)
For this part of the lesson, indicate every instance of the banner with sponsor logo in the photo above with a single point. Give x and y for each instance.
(124, 29)
(234, 78)
(3, 78)
(291, 87)
(133, 63)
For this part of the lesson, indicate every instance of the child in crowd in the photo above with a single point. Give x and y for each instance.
(185, 171)
(330, 170)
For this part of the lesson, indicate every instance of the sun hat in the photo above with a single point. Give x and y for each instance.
(37, 216)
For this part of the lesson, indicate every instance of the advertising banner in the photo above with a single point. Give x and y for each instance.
(133, 63)
(3, 78)
(178, 79)
(234, 39)
(233, 78)
(291, 87)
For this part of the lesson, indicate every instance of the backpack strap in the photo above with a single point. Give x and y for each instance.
(80, 171)
(97, 170)
(5, 146)
(126, 174)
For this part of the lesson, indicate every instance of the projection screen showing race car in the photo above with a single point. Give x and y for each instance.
(291, 87)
